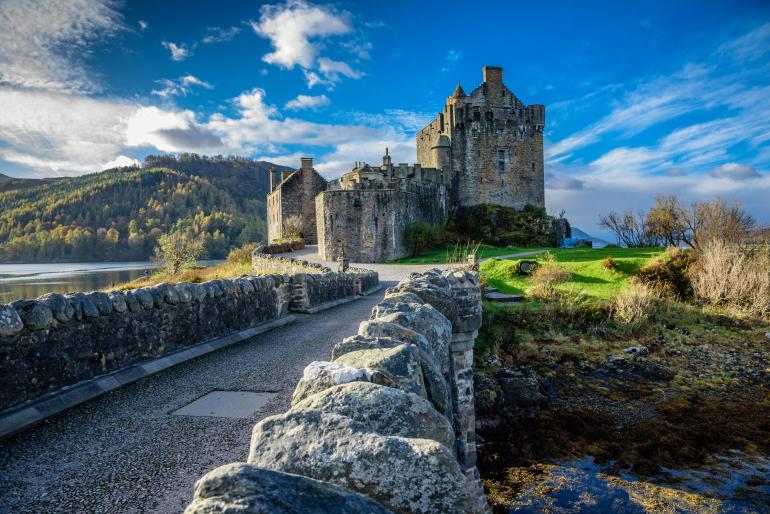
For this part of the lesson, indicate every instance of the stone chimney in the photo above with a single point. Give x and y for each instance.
(493, 80)
(306, 163)
(272, 179)
(285, 174)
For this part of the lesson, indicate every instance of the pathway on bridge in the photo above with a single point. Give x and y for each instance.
(125, 452)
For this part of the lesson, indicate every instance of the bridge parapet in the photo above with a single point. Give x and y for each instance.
(390, 418)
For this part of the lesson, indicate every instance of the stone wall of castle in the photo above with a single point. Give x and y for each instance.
(495, 145)
(368, 225)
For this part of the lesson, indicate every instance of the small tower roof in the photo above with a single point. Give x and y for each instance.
(458, 91)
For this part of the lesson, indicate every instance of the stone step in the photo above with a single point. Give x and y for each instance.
(504, 298)
(490, 289)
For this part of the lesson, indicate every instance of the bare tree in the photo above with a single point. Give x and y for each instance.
(714, 220)
(665, 220)
(630, 229)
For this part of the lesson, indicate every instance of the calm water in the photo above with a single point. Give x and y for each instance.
(19, 281)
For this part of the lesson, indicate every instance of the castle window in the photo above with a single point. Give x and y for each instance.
(501, 160)
(533, 168)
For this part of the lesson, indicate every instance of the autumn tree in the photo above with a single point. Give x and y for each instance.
(177, 251)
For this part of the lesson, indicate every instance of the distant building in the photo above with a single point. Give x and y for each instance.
(486, 147)
(294, 196)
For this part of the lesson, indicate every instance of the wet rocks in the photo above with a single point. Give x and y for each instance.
(10, 321)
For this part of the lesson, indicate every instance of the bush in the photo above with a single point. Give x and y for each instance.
(669, 273)
(635, 306)
(550, 275)
(292, 227)
(502, 226)
(609, 264)
(177, 251)
(420, 237)
(241, 255)
(546, 278)
(733, 278)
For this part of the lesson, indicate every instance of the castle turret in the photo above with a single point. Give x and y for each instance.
(442, 155)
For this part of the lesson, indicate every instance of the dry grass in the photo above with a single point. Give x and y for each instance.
(227, 269)
(635, 306)
(609, 263)
(733, 278)
(546, 278)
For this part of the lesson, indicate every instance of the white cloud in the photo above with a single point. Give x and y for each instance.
(42, 41)
(735, 171)
(120, 161)
(143, 25)
(178, 52)
(219, 35)
(297, 30)
(750, 46)
(307, 102)
(450, 60)
(180, 87)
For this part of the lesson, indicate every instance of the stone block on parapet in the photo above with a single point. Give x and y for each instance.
(244, 488)
(387, 410)
(429, 374)
(403, 474)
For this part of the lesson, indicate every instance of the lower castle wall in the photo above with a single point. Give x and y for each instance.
(386, 426)
(369, 225)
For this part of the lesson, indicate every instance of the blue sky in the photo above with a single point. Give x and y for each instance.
(642, 98)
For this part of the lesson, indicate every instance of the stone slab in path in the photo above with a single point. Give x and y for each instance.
(226, 404)
(504, 298)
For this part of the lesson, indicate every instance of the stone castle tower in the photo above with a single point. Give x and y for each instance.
(491, 141)
(486, 147)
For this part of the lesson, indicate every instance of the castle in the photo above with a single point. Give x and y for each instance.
(486, 147)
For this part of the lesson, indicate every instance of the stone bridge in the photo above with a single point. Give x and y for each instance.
(141, 447)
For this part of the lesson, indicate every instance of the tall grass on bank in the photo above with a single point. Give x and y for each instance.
(733, 278)
(238, 263)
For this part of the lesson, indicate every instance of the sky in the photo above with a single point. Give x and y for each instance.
(641, 98)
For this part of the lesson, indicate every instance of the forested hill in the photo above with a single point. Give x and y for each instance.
(118, 214)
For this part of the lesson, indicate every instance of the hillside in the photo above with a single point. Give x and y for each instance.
(118, 214)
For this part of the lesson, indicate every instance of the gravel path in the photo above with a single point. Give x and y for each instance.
(124, 452)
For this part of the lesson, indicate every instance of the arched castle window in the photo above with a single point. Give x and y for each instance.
(501, 160)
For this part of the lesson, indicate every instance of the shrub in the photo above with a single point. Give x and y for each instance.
(733, 278)
(420, 237)
(546, 278)
(634, 306)
(292, 227)
(241, 255)
(669, 273)
(502, 226)
(177, 251)
(609, 264)
(551, 275)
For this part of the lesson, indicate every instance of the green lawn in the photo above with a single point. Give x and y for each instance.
(588, 275)
(441, 255)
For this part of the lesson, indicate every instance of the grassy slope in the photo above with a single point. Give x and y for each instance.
(588, 276)
(439, 255)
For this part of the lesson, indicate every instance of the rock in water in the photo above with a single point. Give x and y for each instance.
(403, 474)
(241, 488)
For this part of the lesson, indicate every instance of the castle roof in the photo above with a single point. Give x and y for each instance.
(459, 92)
